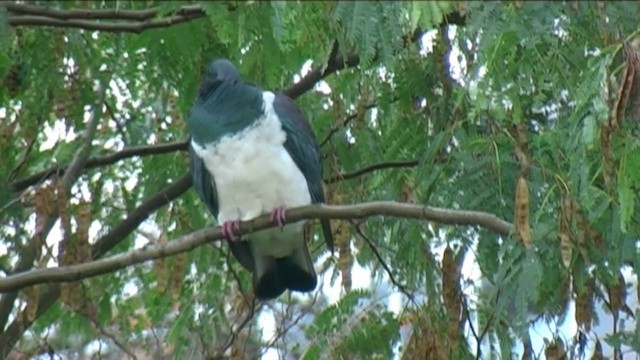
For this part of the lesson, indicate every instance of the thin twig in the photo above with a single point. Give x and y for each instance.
(143, 150)
(373, 248)
(345, 122)
(234, 332)
(372, 168)
(119, 126)
(24, 158)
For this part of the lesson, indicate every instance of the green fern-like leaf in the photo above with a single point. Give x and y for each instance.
(370, 27)
(428, 14)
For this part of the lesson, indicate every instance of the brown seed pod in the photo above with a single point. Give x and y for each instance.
(424, 343)
(407, 192)
(338, 110)
(566, 247)
(523, 230)
(66, 250)
(451, 283)
(597, 352)
(555, 350)
(584, 304)
(177, 275)
(83, 220)
(161, 268)
(32, 297)
(451, 295)
(42, 198)
(345, 257)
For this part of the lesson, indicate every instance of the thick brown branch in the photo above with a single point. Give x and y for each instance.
(97, 14)
(138, 20)
(133, 27)
(14, 331)
(200, 237)
(133, 151)
(371, 168)
(140, 214)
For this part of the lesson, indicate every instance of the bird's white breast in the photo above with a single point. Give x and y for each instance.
(254, 174)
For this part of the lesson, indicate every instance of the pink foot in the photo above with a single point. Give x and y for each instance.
(278, 215)
(228, 227)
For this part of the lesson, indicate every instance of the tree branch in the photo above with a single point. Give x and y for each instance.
(335, 63)
(12, 334)
(140, 214)
(136, 27)
(30, 15)
(345, 122)
(82, 154)
(143, 150)
(97, 14)
(200, 237)
(146, 150)
(372, 168)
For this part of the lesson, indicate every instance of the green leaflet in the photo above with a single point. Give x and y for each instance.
(429, 14)
(371, 34)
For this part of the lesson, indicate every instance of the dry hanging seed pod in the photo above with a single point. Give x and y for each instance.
(565, 232)
(160, 268)
(618, 297)
(451, 284)
(43, 197)
(338, 110)
(523, 231)
(83, 219)
(423, 343)
(361, 110)
(32, 298)
(597, 352)
(434, 348)
(407, 192)
(555, 350)
(65, 224)
(584, 304)
(342, 238)
(177, 275)
(451, 295)
(633, 60)
(345, 257)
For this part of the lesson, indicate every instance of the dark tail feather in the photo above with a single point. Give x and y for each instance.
(296, 272)
(266, 278)
(273, 276)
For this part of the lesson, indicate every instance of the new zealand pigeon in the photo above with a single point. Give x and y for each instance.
(253, 152)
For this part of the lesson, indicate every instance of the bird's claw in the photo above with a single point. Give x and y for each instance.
(279, 215)
(228, 227)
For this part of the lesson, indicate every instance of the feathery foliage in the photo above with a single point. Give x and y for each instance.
(529, 111)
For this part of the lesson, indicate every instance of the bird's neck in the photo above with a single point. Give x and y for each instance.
(225, 111)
